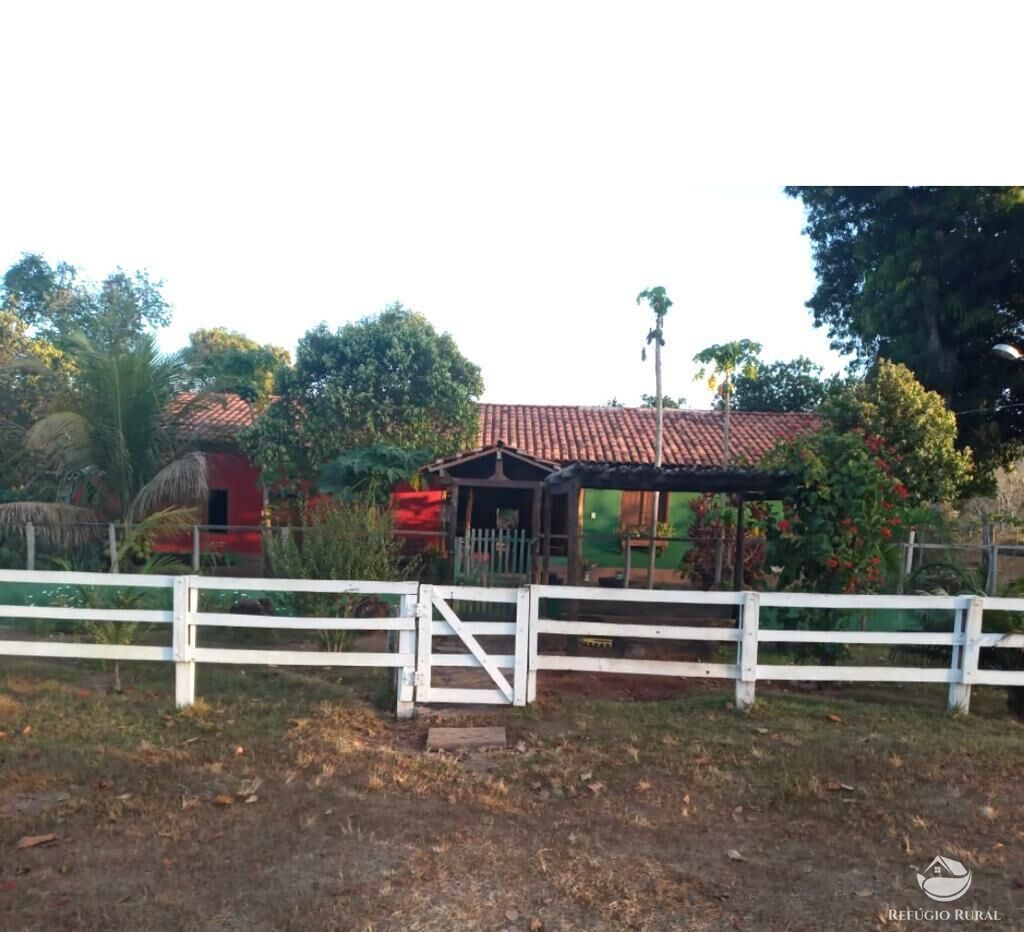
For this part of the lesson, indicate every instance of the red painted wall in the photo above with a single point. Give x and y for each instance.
(418, 510)
(413, 510)
(234, 472)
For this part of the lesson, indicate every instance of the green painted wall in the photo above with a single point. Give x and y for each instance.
(601, 517)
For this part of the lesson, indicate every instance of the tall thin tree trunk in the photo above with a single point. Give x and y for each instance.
(720, 536)
(659, 414)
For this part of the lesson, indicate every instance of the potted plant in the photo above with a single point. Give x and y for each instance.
(638, 535)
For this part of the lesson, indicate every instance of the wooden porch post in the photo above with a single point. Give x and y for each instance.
(546, 565)
(453, 519)
(453, 515)
(573, 529)
(538, 491)
(741, 542)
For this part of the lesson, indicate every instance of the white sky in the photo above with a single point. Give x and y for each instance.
(517, 173)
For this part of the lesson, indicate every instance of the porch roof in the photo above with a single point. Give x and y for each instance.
(643, 477)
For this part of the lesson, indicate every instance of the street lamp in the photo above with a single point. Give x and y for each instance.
(1007, 352)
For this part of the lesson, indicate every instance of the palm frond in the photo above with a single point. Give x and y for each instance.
(181, 482)
(63, 436)
(63, 525)
(163, 524)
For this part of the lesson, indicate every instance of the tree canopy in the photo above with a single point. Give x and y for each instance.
(32, 371)
(792, 385)
(389, 379)
(667, 401)
(116, 444)
(930, 277)
(916, 426)
(225, 360)
(56, 304)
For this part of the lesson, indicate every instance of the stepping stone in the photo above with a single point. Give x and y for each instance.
(460, 739)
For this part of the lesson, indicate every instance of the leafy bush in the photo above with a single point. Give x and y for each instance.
(842, 513)
(343, 541)
(714, 520)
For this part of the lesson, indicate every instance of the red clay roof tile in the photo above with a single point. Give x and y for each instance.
(569, 433)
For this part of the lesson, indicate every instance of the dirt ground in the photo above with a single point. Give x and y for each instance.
(286, 801)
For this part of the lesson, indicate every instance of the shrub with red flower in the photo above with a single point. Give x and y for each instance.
(714, 527)
(836, 533)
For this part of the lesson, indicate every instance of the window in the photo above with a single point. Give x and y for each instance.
(636, 508)
(217, 511)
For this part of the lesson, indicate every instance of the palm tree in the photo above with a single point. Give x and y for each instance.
(723, 361)
(659, 302)
(118, 445)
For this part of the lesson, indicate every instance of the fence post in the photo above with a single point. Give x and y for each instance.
(965, 661)
(424, 641)
(195, 548)
(749, 621)
(992, 576)
(30, 546)
(406, 676)
(186, 603)
(112, 544)
(531, 662)
(520, 687)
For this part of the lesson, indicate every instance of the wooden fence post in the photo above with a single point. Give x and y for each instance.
(531, 663)
(112, 544)
(965, 660)
(992, 576)
(908, 566)
(30, 546)
(747, 678)
(195, 549)
(424, 641)
(186, 603)
(406, 676)
(520, 688)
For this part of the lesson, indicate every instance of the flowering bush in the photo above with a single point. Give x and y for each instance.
(846, 508)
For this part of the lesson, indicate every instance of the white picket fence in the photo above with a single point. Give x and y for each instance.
(426, 612)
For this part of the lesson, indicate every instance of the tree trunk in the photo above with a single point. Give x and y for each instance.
(720, 536)
(659, 413)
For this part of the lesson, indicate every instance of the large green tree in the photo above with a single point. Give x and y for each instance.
(791, 385)
(225, 360)
(930, 277)
(56, 304)
(389, 379)
(32, 372)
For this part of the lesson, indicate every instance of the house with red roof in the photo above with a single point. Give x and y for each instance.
(503, 496)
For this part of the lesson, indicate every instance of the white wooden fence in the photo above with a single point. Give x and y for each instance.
(411, 650)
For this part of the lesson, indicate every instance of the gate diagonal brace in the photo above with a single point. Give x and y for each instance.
(474, 647)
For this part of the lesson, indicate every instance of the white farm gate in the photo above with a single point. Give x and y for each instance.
(429, 632)
(506, 671)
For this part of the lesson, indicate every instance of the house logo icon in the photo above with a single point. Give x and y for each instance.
(944, 880)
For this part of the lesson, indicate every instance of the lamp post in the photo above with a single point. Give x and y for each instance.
(1008, 352)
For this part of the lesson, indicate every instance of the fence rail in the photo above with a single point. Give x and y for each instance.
(426, 612)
